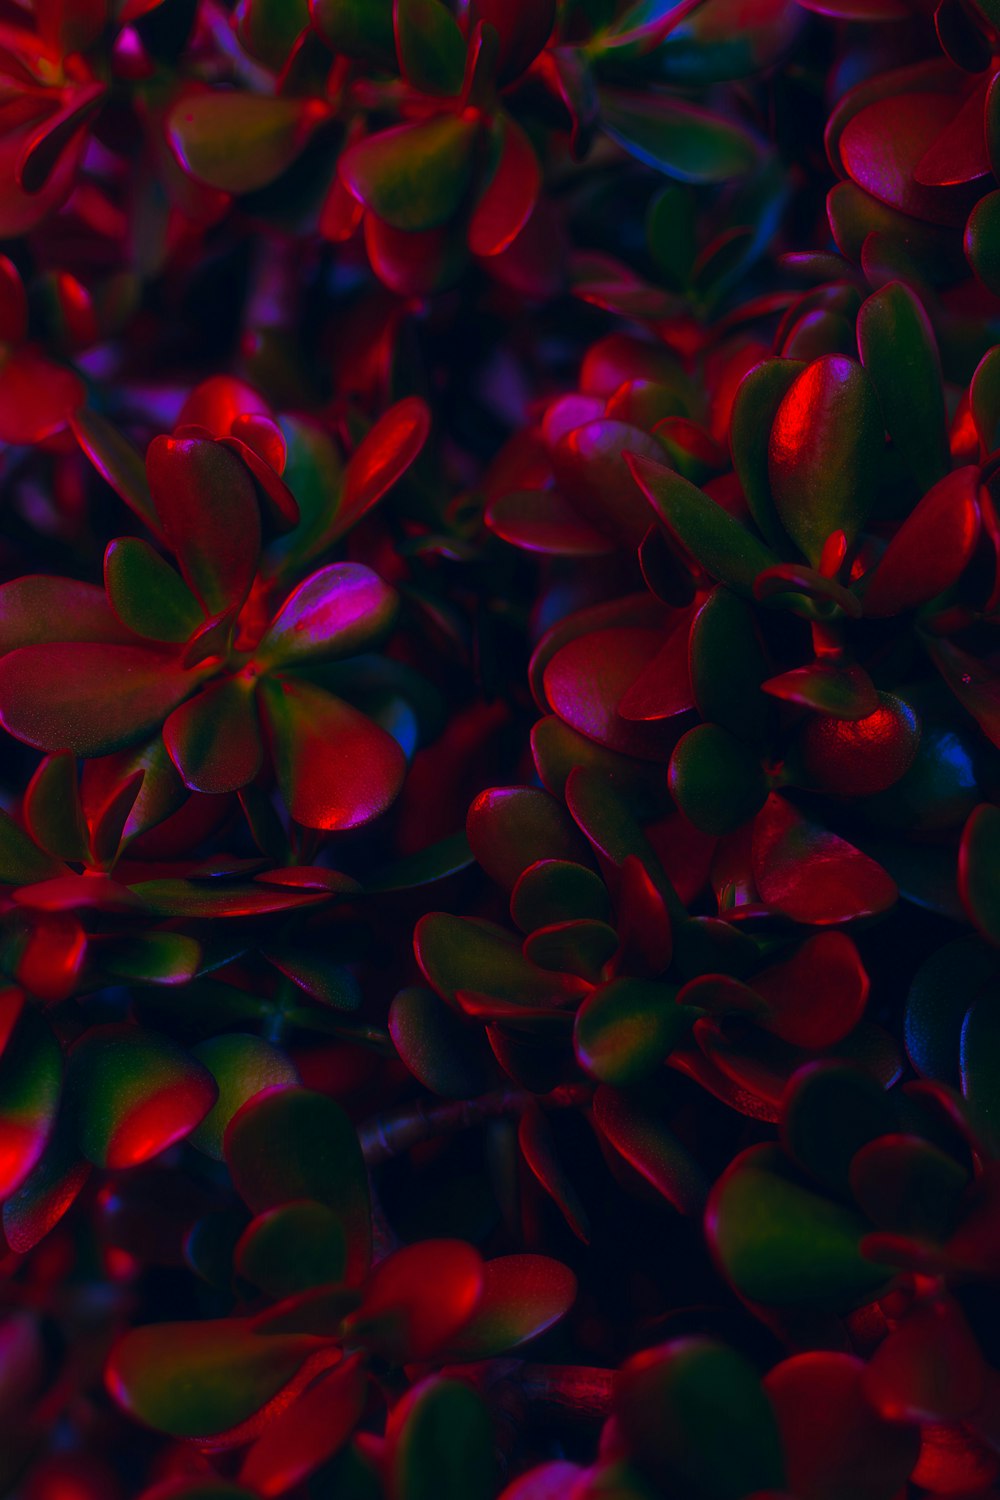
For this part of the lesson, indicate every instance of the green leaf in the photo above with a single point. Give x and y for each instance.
(783, 1245)
(239, 142)
(723, 547)
(979, 870)
(447, 1054)
(291, 1248)
(133, 1093)
(695, 1418)
(555, 890)
(292, 1143)
(269, 29)
(829, 1113)
(716, 779)
(651, 1150)
(461, 954)
(728, 666)
(441, 1440)
(413, 176)
(899, 351)
(625, 1030)
(825, 453)
(429, 46)
(755, 407)
(195, 1380)
(982, 241)
(677, 138)
(21, 860)
(117, 461)
(30, 1083)
(984, 395)
(510, 828)
(358, 28)
(147, 595)
(242, 1066)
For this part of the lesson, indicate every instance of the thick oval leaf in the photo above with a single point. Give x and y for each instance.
(680, 139)
(429, 46)
(242, 1066)
(931, 549)
(291, 1248)
(755, 407)
(37, 609)
(835, 1442)
(117, 461)
(509, 197)
(815, 998)
(541, 1156)
(842, 692)
(723, 547)
(413, 177)
(336, 768)
(238, 141)
(781, 1244)
(979, 870)
(460, 955)
(590, 676)
(213, 739)
(812, 875)
(146, 594)
(716, 779)
(445, 1053)
(651, 1150)
(308, 1432)
(522, 1297)
(907, 1186)
(30, 1082)
(553, 891)
(290, 1143)
(523, 27)
(673, 1402)
(728, 666)
(510, 828)
(899, 351)
(89, 698)
(441, 1443)
(418, 1300)
(197, 1380)
(830, 1112)
(625, 1029)
(979, 1061)
(339, 611)
(825, 453)
(207, 506)
(133, 1093)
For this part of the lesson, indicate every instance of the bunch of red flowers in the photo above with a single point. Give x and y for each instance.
(500, 727)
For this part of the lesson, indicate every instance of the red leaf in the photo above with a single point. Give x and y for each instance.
(213, 738)
(309, 1432)
(206, 503)
(510, 196)
(336, 768)
(930, 550)
(815, 998)
(418, 1300)
(88, 698)
(37, 397)
(811, 875)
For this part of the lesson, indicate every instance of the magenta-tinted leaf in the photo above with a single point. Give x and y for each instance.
(341, 610)
(207, 506)
(591, 471)
(238, 141)
(37, 397)
(88, 698)
(883, 144)
(588, 677)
